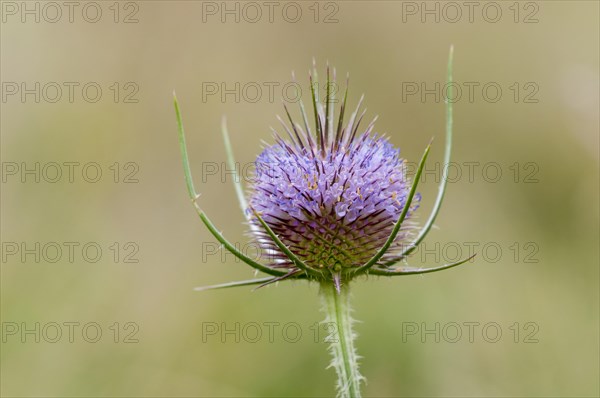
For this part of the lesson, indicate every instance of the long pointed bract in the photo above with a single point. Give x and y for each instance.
(194, 197)
(237, 183)
(226, 285)
(447, 152)
(183, 148)
(414, 271)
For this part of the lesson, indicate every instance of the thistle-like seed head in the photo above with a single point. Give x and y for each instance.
(331, 203)
(332, 196)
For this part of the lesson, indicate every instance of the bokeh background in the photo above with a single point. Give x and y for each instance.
(541, 212)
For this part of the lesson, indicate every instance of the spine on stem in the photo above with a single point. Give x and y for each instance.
(336, 306)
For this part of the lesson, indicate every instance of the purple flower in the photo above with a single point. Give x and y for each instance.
(333, 205)
(329, 202)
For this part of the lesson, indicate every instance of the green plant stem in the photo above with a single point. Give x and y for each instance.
(345, 361)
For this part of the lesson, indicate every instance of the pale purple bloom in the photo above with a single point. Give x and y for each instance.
(333, 208)
(330, 202)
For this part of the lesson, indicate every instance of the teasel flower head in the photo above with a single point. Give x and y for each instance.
(329, 202)
(332, 194)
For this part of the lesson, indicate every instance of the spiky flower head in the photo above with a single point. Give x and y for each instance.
(332, 195)
(331, 202)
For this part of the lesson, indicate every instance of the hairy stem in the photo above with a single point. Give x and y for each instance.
(345, 361)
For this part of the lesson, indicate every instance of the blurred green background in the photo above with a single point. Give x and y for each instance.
(542, 212)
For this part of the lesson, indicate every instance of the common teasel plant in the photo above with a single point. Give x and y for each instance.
(328, 204)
